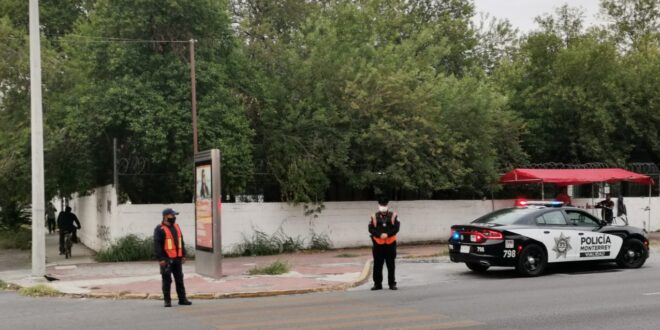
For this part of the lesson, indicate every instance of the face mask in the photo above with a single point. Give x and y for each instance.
(382, 209)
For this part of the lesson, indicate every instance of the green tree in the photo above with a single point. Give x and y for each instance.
(633, 23)
(129, 79)
(370, 95)
(583, 99)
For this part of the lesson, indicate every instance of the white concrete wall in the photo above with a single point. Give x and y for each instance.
(97, 213)
(639, 214)
(344, 222)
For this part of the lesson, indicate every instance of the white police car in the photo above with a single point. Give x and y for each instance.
(534, 234)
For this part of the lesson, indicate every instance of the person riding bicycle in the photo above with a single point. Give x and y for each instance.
(67, 221)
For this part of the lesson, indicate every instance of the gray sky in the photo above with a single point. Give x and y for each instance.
(521, 13)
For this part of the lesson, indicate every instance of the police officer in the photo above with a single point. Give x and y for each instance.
(171, 254)
(383, 227)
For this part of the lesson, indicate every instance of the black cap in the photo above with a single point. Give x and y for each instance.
(383, 201)
(169, 211)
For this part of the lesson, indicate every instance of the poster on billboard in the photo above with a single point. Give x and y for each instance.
(203, 207)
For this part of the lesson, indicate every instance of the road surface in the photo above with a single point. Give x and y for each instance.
(433, 294)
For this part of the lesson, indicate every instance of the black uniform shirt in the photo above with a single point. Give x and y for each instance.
(384, 224)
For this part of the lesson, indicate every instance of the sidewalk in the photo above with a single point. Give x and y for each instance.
(309, 272)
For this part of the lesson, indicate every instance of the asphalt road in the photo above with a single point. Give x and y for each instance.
(434, 294)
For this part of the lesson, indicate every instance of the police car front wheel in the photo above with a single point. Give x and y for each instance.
(532, 261)
(632, 255)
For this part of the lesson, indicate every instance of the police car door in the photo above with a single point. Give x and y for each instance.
(559, 238)
(591, 244)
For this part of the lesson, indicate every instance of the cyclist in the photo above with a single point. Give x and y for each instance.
(67, 221)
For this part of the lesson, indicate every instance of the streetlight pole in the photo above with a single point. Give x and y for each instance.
(193, 89)
(37, 141)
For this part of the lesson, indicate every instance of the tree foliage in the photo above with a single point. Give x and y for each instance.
(323, 99)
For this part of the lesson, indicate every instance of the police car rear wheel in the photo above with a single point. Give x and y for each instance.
(477, 267)
(632, 255)
(532, 261)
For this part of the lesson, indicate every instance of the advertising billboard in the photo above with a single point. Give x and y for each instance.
(204, 207)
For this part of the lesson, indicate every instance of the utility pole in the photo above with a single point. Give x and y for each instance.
(37, 141)
(115, 176)
(193, 82)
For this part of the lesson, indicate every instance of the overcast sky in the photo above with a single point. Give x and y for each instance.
(521, 13)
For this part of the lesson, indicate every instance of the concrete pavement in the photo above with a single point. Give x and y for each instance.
(309, 272)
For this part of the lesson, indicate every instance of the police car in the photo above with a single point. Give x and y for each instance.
(534, 234)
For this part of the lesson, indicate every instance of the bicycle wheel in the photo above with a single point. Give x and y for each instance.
(67, 246)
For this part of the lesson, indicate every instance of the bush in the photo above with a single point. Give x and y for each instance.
(128, 248)
(39, 290)
(276, 268)
(17, 238)
(320, 242)
(261, 244)
(13, 215)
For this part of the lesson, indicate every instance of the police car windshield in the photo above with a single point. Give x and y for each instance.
(504, 216)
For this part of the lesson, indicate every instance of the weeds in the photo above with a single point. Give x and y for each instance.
(19, 238)
(262, 244)
(7, 286)
(39, 290)
(276, 268)
(347, 255)
(320, 242)
(128, 248)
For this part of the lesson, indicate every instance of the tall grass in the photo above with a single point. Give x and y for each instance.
(320, 242)
(262, 244)
(19, 238)
(128, 248)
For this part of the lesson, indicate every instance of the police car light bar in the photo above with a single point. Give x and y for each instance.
(521, 202)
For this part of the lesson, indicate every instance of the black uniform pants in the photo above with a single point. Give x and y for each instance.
(384, 254)
(173, 267)
(51, 224)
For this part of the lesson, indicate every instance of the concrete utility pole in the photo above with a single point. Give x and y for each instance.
(193, 89)
(37, 134)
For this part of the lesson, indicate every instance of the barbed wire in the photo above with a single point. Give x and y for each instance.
(644, 168)
(638, 167)
(131, 165)
(556, 165)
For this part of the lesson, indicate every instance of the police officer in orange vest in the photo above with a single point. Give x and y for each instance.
(383, 227)
(171, 254)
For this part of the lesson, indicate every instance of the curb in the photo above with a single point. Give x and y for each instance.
(364, 275)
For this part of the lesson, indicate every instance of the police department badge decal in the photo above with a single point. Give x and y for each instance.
(562, 245)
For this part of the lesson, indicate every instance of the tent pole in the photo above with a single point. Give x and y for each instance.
(542, 192)
(649, 208)
(492, 199)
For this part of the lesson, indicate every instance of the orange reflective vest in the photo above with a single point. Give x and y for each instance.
(380, 241)
(171, 249)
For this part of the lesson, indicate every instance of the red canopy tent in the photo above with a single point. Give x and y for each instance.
(564, 177)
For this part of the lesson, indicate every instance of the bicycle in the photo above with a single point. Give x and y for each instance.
(68, 243)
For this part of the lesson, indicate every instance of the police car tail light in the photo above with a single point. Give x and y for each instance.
(455, 235)
(493, 235)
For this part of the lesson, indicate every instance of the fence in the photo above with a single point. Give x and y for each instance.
(345, 223)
